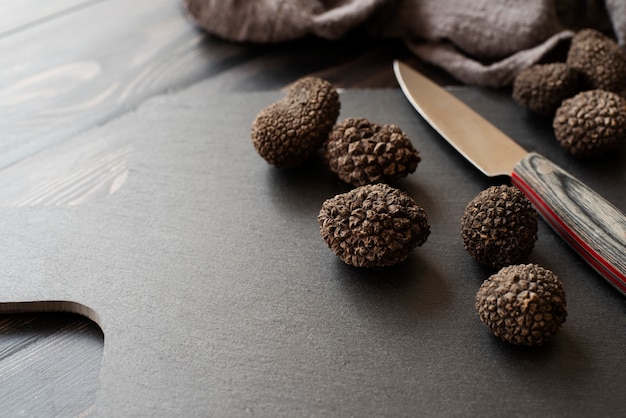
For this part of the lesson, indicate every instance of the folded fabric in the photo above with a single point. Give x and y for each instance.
(480, 42)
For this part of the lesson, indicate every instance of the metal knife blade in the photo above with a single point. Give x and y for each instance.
(587, 222)
(484, 145)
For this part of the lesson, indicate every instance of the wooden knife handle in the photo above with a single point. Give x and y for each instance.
(587, 222)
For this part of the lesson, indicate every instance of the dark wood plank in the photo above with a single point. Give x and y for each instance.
(17, 15)
(49, 364)
(66, 83)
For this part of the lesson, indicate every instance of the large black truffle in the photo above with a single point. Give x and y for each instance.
(288, 132)
(542, 87)
(373, 225)
(522, 304)
(600, 59)
(499, 226)
(591, 123)
(361, 152)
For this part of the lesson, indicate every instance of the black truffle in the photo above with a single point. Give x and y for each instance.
(373, 225)
(600, 60)
(522, 304)
(541, 88)
(499, 226)
(361, 152)
(288, 132)
(591, 123)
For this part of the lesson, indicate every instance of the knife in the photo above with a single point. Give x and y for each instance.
(592, 226)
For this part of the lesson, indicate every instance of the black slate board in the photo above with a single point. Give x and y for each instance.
(218, 297)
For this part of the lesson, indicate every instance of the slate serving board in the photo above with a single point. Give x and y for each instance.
(217, 296)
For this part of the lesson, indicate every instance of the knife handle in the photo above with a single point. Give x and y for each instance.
(593, 227)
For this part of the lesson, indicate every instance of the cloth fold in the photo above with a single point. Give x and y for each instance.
(480, 42)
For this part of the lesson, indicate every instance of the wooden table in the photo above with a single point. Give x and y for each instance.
(68, 66)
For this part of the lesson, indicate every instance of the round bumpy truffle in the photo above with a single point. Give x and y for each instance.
(522, 304)
(600, 59)
(373, 225)
(591, 123)
(289, 131)
(499, 226)
(361, 152)
(541, 88)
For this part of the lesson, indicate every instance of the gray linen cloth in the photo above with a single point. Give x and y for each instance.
(480, 42)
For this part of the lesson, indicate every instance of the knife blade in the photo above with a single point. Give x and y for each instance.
(591, 225)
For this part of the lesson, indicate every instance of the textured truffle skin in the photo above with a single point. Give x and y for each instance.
(542, 87)
(591, 123)
(373, 225)
(361, 152)
(499, 226)
(600, 60)
(522, 304)
(288, 132)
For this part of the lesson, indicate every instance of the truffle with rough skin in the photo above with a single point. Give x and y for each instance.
(361, 152)
(373, 225)
(542, 87)
(591, 123)
(522, 304)
(499, 226)
(600, 60)
(289, 131)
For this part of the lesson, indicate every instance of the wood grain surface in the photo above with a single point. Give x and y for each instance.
(71, 66)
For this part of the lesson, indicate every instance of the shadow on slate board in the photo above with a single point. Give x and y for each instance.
(216, 293)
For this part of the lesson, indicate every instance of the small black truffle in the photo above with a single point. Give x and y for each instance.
(288, 132)
(361, 152)
(600, 60)
(373, 225)
(522, 304)
(591, 123)
(499, 226)
(542, 87)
